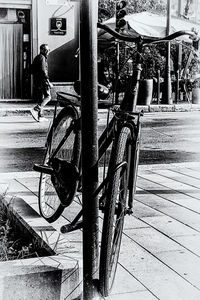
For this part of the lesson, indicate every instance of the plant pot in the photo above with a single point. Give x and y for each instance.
(196, 95)
(145, 92)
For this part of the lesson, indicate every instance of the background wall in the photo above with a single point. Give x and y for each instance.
(63, 66)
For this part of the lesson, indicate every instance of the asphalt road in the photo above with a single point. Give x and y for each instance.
(170, 138)
(166, 138)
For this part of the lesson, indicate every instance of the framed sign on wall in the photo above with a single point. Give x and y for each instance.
(58, 26)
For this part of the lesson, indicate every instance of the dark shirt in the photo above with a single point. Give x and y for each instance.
(40, 70)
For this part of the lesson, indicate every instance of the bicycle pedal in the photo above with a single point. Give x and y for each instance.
(43, 169)
(69, 227)
(129, 211)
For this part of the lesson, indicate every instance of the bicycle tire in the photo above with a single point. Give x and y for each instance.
(50, 206)
(134, 164)
(114, 219)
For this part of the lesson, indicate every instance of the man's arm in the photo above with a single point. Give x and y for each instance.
(44, 71)
(44, 68)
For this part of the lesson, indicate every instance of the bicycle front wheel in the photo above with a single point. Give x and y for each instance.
(50, 206)
(114, 212)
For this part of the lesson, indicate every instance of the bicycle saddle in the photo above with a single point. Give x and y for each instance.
(103, 91)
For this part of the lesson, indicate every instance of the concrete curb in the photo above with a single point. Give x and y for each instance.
(22, 111)
(169, 108)
(13, 109)
(52, 277)
(56, 276)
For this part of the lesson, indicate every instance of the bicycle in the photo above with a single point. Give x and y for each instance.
(118, 144)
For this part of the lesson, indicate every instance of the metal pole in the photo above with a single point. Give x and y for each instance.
(179, 56)
(167, 99)
(89, 110)
(196, 11)
(117, 74)
(180, 7)
(158, 87)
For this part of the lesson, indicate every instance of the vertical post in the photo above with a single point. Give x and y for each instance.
(166, 98)
(180, 7)
(158, 87)
(179, 56)
(196, 11)
(89, 110)
(117, 75)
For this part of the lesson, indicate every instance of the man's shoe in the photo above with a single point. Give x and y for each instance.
(35, 114)
(43, 119)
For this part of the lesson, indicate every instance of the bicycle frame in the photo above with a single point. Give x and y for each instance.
(116, 189)
(122, 118)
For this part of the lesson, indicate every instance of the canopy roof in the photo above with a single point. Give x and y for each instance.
(148, 25)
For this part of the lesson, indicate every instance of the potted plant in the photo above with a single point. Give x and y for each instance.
(152, 62)
(194, 70)
(196, 91)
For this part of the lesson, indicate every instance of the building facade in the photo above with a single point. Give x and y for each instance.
(24, 26)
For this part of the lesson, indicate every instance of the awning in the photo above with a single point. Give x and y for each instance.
(148, 25)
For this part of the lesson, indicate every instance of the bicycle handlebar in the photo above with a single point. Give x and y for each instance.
(148, 40)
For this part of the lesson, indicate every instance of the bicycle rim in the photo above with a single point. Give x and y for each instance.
(49, 203)
(114, 215)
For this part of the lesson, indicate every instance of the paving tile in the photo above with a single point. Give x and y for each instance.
(167, 184)
(141, 295)
(160, 252)
(185, 216)
(170, 227)
(152, 240)
(164, 197)
(184, 263)
(189, 172)
(155, 275)
(126, 282)
(180, 177)
(31, 183)
(142, 211)
(191, 242)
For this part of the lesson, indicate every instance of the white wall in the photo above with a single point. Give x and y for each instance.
(63, 67)
(47, 11)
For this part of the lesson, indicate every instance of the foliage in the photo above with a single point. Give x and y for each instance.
(152, 62)
(107, 7)
(194, 65)
(196, 83)
(13, 243)
(158, 6)
(151, 57)
(134, 6)
(187, 7)
(154, 57)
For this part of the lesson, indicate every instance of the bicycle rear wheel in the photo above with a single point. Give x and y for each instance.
(114, 213)
(50, 206)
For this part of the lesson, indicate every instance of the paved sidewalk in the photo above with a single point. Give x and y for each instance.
(22, 107)
(160, 253)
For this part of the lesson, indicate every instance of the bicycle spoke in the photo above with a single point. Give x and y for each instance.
(63, 145)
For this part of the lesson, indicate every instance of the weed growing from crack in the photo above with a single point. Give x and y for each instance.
(13, 243)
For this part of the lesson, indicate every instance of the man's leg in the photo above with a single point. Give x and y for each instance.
(45, 100)
(38, 96)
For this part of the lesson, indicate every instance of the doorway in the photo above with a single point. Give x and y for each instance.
(11, 60)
